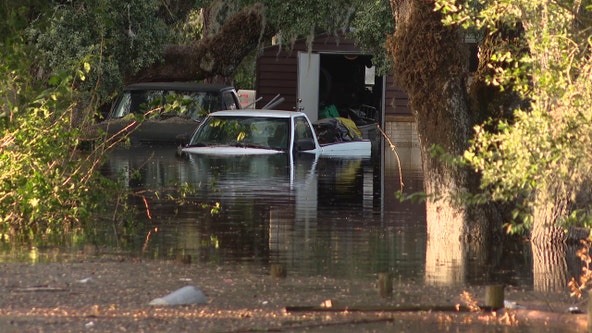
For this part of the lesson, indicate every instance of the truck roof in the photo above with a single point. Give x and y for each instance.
(177, 85)
(258, 113)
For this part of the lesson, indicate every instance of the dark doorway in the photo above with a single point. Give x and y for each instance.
(348, 82)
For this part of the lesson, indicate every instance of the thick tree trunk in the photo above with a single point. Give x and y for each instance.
(554, 248)
(430, 64)
(446, 250)
(549, 257)
(215, 55)
(430, 61)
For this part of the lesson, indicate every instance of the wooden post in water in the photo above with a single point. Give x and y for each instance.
(385, 284)
(278, 271)
(183, 258)
(494, 296)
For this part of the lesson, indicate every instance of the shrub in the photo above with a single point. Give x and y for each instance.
(47, 186)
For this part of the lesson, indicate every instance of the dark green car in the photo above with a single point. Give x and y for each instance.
(165, 111)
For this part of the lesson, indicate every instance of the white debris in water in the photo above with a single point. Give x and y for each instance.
(512, 305)
(185, 295)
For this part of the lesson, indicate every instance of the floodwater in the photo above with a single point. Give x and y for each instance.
(316, 216)
(330, 217)
(335, 217)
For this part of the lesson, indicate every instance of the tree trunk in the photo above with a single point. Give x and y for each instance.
(549, 257)
(553, 249)
(430, 61)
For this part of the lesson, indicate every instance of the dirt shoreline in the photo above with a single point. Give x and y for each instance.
(112, 295)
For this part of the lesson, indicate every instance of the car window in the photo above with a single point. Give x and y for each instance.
(185, 103)
(229, 101)
(303, 130)
(303, 134)
(137, 102)
(210, 102)
(192, 104)
(122, 106)
(203, 104)
(261, 132)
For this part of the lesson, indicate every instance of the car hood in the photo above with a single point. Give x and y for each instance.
(226, 150)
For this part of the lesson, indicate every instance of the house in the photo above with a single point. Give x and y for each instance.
(332, 71)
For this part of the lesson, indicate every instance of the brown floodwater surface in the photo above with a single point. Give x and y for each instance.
(336, 217)
(332, 226)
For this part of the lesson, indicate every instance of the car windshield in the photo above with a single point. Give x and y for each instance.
(192, 104)
(255, 132)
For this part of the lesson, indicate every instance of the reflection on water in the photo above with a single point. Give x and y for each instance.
(314, 215)
(331, 216)
(317, 216)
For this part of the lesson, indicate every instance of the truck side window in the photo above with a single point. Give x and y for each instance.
(229, 101)
(303, 135)
(303, 130)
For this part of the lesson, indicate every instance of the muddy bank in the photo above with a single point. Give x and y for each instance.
(111, 294)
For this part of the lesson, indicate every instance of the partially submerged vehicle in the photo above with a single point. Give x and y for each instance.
(168, 111)
(243, 132)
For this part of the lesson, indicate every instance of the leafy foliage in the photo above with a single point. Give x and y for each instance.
(117, 38)
(373, 21)
(582, 283)
(544, 155)
(47, 188)
(295, 19)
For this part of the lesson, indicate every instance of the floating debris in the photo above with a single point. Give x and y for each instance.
(39, 289)
(183, 296)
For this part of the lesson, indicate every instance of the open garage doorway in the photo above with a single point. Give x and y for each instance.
(349, 82)
(337, 84)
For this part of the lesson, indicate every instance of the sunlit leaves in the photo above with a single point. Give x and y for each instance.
(241, 136)
(582, 284)
(542, 157)
(45, 187)
(85, 70)
(232, 130)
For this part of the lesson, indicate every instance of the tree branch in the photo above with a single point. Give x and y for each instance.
(217, 55)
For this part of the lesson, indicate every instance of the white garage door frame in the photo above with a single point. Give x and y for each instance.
(308, 84)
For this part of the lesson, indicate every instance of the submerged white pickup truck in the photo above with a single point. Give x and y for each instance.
(246, 132)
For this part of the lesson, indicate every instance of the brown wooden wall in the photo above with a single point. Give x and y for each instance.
(277, 73)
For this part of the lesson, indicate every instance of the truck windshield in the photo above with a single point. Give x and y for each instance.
(256, 132)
